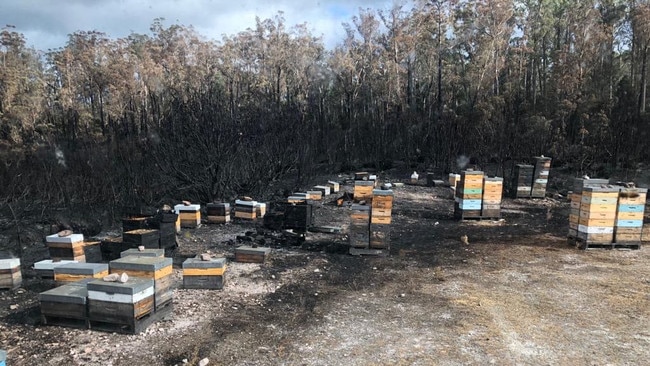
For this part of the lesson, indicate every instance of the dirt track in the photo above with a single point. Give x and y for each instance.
(518, 294)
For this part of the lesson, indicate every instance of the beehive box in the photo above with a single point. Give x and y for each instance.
(522, 183)
(10, 273)
(597, 214)
(156, 268)
(540, 177)
(359, 229)
(111, 248)
(72, 272)
(218, 213)
(492, 195)
(120, 307)
(245, 210)
(325, 190)
(249, 254)
(297, 216)
(65, 306)
(135, 223)
(67, 247)
(361, 175)
(379, 236)
(630, 213)
(148, 238)
(45, 268)
(363, 190)
(334, 186)
(260, 209)
(92, 251)
(296, 199)
(381, 207)
(469, 193)
(576, 202)
(314, 195)
(200, 274)
(151, 252)
(189, 215)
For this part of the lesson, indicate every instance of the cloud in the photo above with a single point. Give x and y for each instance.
(46, 24)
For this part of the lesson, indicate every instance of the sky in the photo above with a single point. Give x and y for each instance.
(47, 23)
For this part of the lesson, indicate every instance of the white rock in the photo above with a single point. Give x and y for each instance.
(204, 362)
(124, 277)
(13, 307)
(141, 248)
(111, 277)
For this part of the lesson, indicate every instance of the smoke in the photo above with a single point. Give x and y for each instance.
(60, 158)
(462, 161)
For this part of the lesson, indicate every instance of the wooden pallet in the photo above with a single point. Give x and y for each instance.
(370, 252)
(584, 245)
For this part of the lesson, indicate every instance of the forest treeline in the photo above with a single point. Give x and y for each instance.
(113, 121)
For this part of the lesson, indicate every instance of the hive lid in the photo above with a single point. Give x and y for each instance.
(494, 179)
(382, 192)
(245, 203)
(132, 286)
(70, 294)
(135, 263)
(471, 172)
(191, 208)
(81, 268)
(148, 252)
(55, 238)
(364, 183)
(198, 263)
(219, 205)
(9, 263)
(48, 264)
(245, 249)
(602, 189)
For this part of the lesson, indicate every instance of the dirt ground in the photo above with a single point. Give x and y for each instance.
(516, 295)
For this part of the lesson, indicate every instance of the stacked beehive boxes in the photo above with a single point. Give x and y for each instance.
(10, 273)
(121, 307)
(492, 194)
(522, 183)
(73, 272)
(540, 177)
(65, 305)
(159, 231)
(297, 216)
(189, 215)
(469, 193)
(245, 210)
(380, 219)
(155, 268)
(629, 215)
(70, 247)
(363, 190)
(597, 214)
(218, 213)
(576, 202)
(359, 231)
(204, 274)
